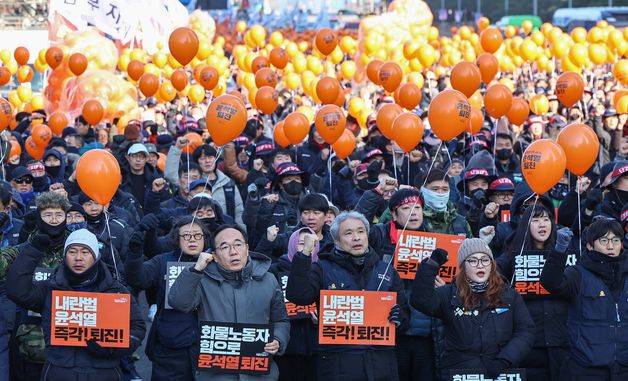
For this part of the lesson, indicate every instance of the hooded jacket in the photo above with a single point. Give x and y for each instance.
(60, 177)
(257, 299)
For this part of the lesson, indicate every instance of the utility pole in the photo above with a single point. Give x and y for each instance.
(506, 4)
(535, 7)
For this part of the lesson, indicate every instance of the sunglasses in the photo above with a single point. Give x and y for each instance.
(24, 180)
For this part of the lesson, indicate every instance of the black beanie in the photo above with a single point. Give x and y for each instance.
(77, 208)
(83, 198)
(313, 201)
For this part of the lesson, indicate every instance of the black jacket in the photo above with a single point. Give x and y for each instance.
(38, 297)
(474, 337)
(277, 248)
(259, 214)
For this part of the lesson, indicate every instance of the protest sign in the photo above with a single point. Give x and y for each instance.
(294, 311)
(173, 269)
(413, 247)
(80, 316)
(234, 347)
(528, 269)
(356, 317)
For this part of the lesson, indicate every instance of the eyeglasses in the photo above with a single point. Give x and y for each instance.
(503, 196)
(24, 180)
(474, 262)
(237, 246)
(49, 216)
(604, 241)
(188, 236)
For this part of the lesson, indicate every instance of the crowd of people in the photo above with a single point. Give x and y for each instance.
(243, 214)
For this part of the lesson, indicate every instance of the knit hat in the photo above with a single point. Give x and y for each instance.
(472, 246)
(404, 196)
(84, 238)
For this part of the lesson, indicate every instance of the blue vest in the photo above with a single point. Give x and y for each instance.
(598, 324)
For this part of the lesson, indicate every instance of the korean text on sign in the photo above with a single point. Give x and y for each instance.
(356, 317)
(173, 269)
(528, 270)
(234, 347)
(413, 247)
(80, 316)
(295, 312)
(478, 375)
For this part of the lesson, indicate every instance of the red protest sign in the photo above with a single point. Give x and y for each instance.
(413, 247)
(356, 317)
(504, 216)
(80, 316)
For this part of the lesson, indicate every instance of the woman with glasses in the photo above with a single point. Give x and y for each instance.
(597, 292)
(172, 342)
(487, 325)
(537, 232)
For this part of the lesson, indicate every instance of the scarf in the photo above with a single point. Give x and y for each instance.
(358, 261)
(83, 280)
(477, 287)
(609, 269)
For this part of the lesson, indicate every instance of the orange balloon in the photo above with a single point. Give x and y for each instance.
(491, 40)
(33, 150)
(77, 63)
(266, 99)
(326, 41)
(208, 78)
(41, 135)
(93, 112)
(226, 119)
(539, 104)
(149, 84)
(581, 146)
(6, 114)
(259, 62)
(194, 141)
(265, 77)
(179, 79)
(54, 57)
(16, 150)
(327, 90)
(408, 95)
(344, 146)
(57, 122)
(407, 131)
(488, 67)
(385, 118)
(135, 69)
(161, 161)
(24, 74)
(279, 135)
(543, 164)
(519, 111)
(183, 44)
(497, 100)
(98, 175)
(296, 127)
(330, 122)
(340, 99)
(279, 58)
(466, 78)
(21, 55)
(476, 121)
(390, 75)
(372, 71)
(569, 88)
(5, 76)
(449, 114)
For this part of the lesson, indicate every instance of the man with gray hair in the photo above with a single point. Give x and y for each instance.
(351, 265)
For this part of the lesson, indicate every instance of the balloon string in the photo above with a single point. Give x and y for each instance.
(2, 153)
(432, 163)
(329, 170)
(408, 157)
(579, 216)
(525, 236)
(395, 162)
(113, 257)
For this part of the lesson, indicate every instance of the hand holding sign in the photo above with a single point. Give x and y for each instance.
(202, 261)
(272, 348)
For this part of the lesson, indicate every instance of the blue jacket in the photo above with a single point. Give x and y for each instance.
(4, 350)
(171, 328)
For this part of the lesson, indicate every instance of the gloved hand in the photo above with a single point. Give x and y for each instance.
(96, 350)
(495, 367)
(594, 198)
(41, 242)
(479, 198)
(373, 171)
(487, 234)
(395, 315)
(149, 222)
(136, 243)
(30, 220)
(439, 256)
(563, 238)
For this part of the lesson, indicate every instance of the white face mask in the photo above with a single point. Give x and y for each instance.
(436, 201)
